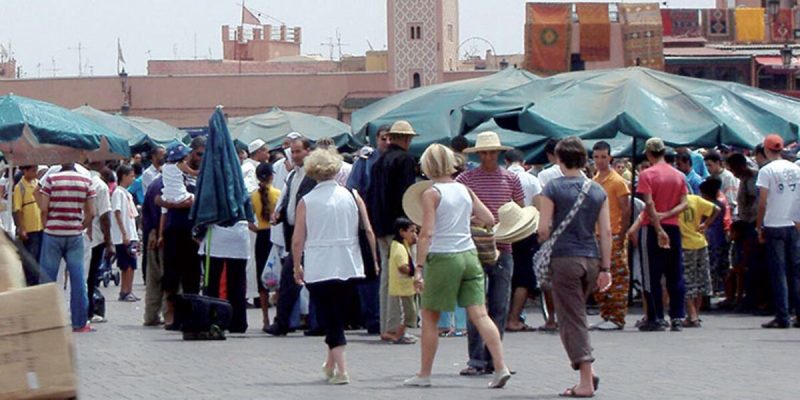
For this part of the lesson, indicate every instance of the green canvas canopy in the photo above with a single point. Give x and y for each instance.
(273, 126)
(37, 132)
(141, 133)
(434, 111)
(640, 103)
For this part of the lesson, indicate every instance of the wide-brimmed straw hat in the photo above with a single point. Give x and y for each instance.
(516, 223)
(402, 128)
(412, 200)
(487, 141)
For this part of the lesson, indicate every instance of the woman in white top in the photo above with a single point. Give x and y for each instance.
(448, 271)
(326, 252)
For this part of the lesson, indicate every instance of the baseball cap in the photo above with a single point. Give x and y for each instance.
(255, 145)
(654, 145)
(177, 152)
(773, 142)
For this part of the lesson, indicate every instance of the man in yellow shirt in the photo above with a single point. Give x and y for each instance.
(27, 215)
(614, 302)
(693, 222)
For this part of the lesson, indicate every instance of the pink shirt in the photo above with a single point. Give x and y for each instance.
(667, 185)
(494, 189)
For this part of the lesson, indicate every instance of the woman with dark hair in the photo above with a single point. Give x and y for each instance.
(570, 209)
(264, 201)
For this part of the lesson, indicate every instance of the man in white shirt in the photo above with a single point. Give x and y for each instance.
(258, 153)
(779, 192)
(553, 171)
(98, 238)
(730, 185)
(154, 170)
(530, 184)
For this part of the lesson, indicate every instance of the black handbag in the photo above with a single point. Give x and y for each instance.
(363, 243)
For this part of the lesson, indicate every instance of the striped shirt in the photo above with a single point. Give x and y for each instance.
(494, 188)
(68, 192)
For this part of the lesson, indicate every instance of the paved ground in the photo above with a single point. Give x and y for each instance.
(730, 357)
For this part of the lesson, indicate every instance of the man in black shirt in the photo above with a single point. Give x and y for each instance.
(392, 174)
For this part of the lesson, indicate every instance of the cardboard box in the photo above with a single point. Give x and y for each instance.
(36, 348)
(11, 275)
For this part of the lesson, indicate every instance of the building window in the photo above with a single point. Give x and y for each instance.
(416, 32)
(416, 80)
(450, 32)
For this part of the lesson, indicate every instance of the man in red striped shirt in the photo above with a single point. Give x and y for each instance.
(67, 208)
(494, 186)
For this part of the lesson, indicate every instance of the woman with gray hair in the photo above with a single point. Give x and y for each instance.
(326, 252)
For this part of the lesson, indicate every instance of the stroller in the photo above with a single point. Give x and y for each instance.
(106, 272)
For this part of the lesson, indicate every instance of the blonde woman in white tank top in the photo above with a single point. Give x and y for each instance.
(448, 271)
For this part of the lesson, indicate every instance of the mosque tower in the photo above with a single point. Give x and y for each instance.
(423, 41)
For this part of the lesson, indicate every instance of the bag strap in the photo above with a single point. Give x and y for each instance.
(587, 184)
(358, 209)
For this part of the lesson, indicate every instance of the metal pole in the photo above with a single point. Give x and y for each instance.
(633, 219)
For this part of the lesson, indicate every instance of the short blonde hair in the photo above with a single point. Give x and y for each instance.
(438, 161)
(322, 164)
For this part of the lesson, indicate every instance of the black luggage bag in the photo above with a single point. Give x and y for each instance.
(202, 317)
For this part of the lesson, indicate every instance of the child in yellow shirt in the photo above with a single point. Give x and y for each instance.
(693, 223)
(402, 304)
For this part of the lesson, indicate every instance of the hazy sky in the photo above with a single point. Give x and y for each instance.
(40, 31)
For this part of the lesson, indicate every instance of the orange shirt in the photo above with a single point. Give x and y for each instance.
(615, 187)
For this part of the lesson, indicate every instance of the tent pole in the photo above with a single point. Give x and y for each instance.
(633, 217)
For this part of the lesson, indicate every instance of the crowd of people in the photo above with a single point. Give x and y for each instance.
(381, 241)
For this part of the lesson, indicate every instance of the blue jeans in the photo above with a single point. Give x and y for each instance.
(498, 298)
(446, 319)
(70, 248)
(783, 255)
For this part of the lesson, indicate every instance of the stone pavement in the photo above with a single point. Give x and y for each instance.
(731, 357)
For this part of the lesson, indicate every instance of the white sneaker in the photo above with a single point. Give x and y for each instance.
(418, 381)
(500, 378)
(96, 319)
(606, 325)
(339, 379)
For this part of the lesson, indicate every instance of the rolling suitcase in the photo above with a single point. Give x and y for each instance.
(202, 317)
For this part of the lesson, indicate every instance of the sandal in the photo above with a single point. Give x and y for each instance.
(548, 328)
(405, 340)
(524, 328)
(571, 393)
(688, 323)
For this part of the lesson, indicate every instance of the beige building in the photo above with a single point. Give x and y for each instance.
(268, 70)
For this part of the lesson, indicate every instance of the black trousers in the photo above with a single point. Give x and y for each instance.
(143, 248)
(236, 286)
(182, 267)
(262, 249)
(91, 280)
(288, 295)
(331, 298)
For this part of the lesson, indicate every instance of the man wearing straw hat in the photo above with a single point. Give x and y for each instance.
(495, 187)
(391, 175)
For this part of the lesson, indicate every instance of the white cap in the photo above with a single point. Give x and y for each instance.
(294, 135)
(255, 145)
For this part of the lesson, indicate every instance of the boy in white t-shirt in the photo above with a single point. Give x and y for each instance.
(123, 231)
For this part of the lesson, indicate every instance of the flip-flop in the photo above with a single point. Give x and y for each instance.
(549, 329)
(525, 328)
(571, 393)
